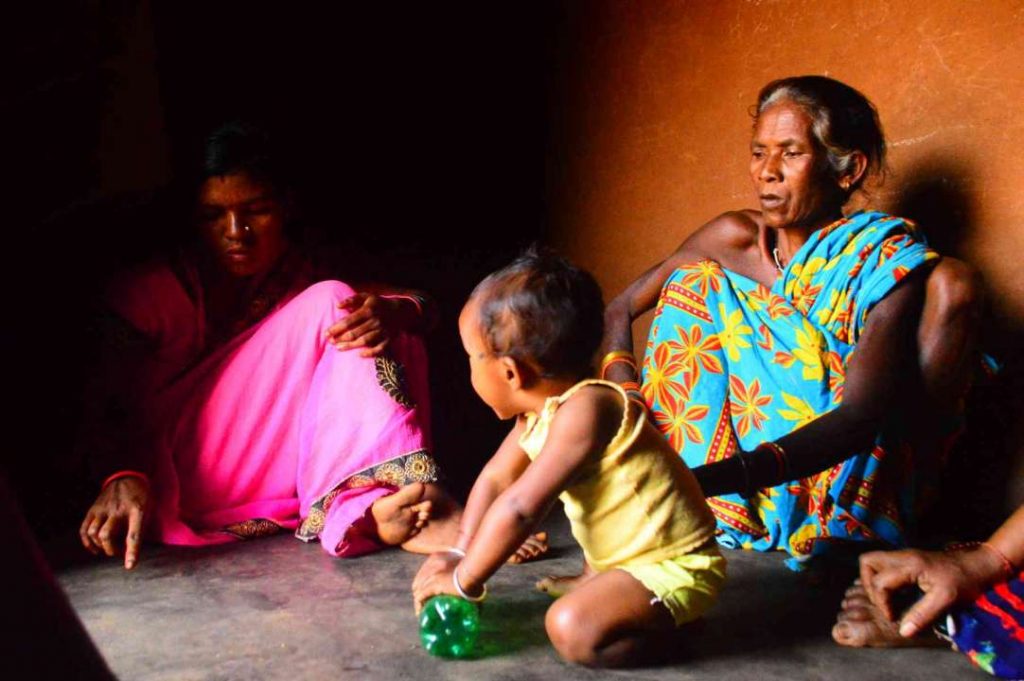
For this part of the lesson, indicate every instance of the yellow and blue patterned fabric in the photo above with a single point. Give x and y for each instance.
(731, 363)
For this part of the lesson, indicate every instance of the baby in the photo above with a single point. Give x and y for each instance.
(530, 331)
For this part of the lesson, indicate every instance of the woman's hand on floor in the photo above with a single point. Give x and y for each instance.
(434, 578)
(371, 322)
(115, 519)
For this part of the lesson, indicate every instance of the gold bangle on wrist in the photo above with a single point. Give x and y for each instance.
(617, 356)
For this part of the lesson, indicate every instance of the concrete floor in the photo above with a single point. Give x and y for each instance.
(279, 609)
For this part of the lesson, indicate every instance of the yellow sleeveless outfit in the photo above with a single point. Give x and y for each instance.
(637, 507)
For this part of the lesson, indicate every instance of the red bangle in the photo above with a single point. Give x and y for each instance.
(781, 462)
(125, 474)
(1008, 567)
(630, 385)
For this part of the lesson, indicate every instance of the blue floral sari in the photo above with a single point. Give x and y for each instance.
(731, 363)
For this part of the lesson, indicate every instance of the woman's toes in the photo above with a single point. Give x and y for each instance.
(409, 494)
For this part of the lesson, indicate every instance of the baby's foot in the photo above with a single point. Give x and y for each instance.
(557, 586)
(533, 548)
(861, 624)
(401, 515)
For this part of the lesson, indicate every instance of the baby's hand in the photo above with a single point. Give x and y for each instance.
(434, 578)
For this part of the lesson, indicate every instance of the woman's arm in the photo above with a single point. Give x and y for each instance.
(583, 427)
(880, 374)
(945, 578)
(115, 519)
(729, 232)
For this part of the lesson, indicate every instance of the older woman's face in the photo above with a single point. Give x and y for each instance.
(789, 170)
(242, 224)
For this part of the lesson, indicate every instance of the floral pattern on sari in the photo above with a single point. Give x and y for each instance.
(731, 363)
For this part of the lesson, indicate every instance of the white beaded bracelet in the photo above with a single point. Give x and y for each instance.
(461, 591)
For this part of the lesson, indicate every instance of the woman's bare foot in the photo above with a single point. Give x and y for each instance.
(861, 624)
(442, 528)
(533, 548)
(400, 516)
(557, 586)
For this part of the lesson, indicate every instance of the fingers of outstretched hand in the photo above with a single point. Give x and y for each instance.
(108, 534)
(134, 539)
(937, 599)
(88, 531)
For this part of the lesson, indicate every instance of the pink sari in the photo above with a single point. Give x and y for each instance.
(275, 428)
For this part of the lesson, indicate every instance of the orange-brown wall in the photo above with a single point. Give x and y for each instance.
(649, 123)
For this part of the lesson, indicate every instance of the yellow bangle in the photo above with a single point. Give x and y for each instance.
(617, 356)
(617, 360)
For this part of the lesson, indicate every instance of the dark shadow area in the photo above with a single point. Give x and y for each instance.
(975, 484)
(417, 134)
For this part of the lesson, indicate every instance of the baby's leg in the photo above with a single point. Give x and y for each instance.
(608, 621)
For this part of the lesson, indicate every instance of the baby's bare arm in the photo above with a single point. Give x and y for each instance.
(582, 429)
(507, 464)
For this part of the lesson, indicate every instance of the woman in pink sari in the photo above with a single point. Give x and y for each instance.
(238, 398)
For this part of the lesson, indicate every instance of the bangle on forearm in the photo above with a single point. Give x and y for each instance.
(617, 356)
(455, 550)
(628, 361)
(417, 301)
(462, 593)
(781, 461)
(125, 474)
(630, 386)
(747, 490)
(1008, 568)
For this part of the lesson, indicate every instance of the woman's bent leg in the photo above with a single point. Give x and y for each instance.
(278, 425)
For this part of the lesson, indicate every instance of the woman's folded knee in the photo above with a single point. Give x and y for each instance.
(955, 287)
(329, 292)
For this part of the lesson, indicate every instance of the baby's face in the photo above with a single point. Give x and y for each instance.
(487, 372)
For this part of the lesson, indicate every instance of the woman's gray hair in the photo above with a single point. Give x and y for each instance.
(843, 120)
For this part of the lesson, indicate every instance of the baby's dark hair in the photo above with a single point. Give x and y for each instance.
(542, 310)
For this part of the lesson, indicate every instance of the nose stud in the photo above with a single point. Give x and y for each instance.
(246, 228)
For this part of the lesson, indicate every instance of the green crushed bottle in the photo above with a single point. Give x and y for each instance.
(449, 626)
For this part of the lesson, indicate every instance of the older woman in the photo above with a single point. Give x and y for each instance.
(239, 398)
(782, 360)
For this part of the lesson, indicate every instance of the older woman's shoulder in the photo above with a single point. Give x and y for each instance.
(730, 231)
(740, 228)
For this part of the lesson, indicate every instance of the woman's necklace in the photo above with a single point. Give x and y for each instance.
(778, 261)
